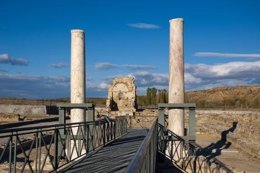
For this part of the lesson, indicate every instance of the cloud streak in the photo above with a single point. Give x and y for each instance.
(226, 55)
(58, 65)
(31, 86)
(7, 59)
(107, 66)
(139, 67)
(143, 25)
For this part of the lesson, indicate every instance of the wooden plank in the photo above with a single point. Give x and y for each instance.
(114, 157)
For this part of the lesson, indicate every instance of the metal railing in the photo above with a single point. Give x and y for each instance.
(183, 151)
(144, 160)
(47, 148)
(191, 117)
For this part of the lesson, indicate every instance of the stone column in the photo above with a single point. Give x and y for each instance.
(176, 76)
(77, 78)
(77, 82)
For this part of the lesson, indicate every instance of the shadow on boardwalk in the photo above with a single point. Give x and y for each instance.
(214, 149)
(165, 165)
(115, 157)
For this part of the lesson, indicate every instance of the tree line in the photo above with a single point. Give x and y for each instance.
(153, 97)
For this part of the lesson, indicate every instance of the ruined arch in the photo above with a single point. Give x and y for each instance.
(122, 95)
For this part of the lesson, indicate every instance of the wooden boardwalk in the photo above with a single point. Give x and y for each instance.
(114, 157)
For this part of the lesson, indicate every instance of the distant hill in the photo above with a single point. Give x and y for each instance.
(226, 97)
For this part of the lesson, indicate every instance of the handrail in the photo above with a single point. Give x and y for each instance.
(22, 123)
(47, 127)
(185, 155)
(176, 105)
(53, 146)
(192, 119)
(145, 158)
(182, 150)
(75, 105)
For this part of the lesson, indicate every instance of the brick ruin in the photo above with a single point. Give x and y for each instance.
(122, 96)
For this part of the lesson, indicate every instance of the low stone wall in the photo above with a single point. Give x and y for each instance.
(28, 109)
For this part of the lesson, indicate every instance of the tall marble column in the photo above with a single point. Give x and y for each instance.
(77, 83)
(176, 76)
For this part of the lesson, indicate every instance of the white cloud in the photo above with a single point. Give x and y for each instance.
(105, 66)
(230, 69)
(143, 25)
(146, 79)
(103, 85)
(58, 65)
(139, 67)
(7, 59)
(225, 74)
(31, 86)
(190, 79)
(226, 55)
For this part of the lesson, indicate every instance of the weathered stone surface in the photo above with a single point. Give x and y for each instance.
(77, 83)
(23, 109)
(176, 76)
(122, 96)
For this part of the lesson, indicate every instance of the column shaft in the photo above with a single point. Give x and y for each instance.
(77, 74)
(176, 76)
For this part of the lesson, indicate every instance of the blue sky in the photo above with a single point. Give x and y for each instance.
(221, 39)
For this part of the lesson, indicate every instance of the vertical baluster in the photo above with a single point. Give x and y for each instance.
(69, 142)
(87, 137)
(192, 124)
(62, 130)
(37, 153)
(56, 143)
(15, 151)
(104, 133)
(40, 151)
(10, 152)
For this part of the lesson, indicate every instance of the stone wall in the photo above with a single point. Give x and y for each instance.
(122, 96)
(28, 109)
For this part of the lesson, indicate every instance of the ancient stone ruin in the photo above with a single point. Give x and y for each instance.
(122, 96)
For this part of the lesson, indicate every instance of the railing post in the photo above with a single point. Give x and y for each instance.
(161, 121)
(15, 151)
(90, 129)
(161, 118)
(56, 150)
(40, 153)
(91, 113)
(62, 121)
(192, 124)
(10, 152)
(37, 151)
(104, 133)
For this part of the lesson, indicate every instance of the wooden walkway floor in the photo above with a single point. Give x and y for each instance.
(114, 157)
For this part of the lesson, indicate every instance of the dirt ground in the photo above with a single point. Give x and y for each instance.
(238, 132)
(233, 157)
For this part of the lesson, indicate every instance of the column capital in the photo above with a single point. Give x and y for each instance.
(77, 31)
(176, 19)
